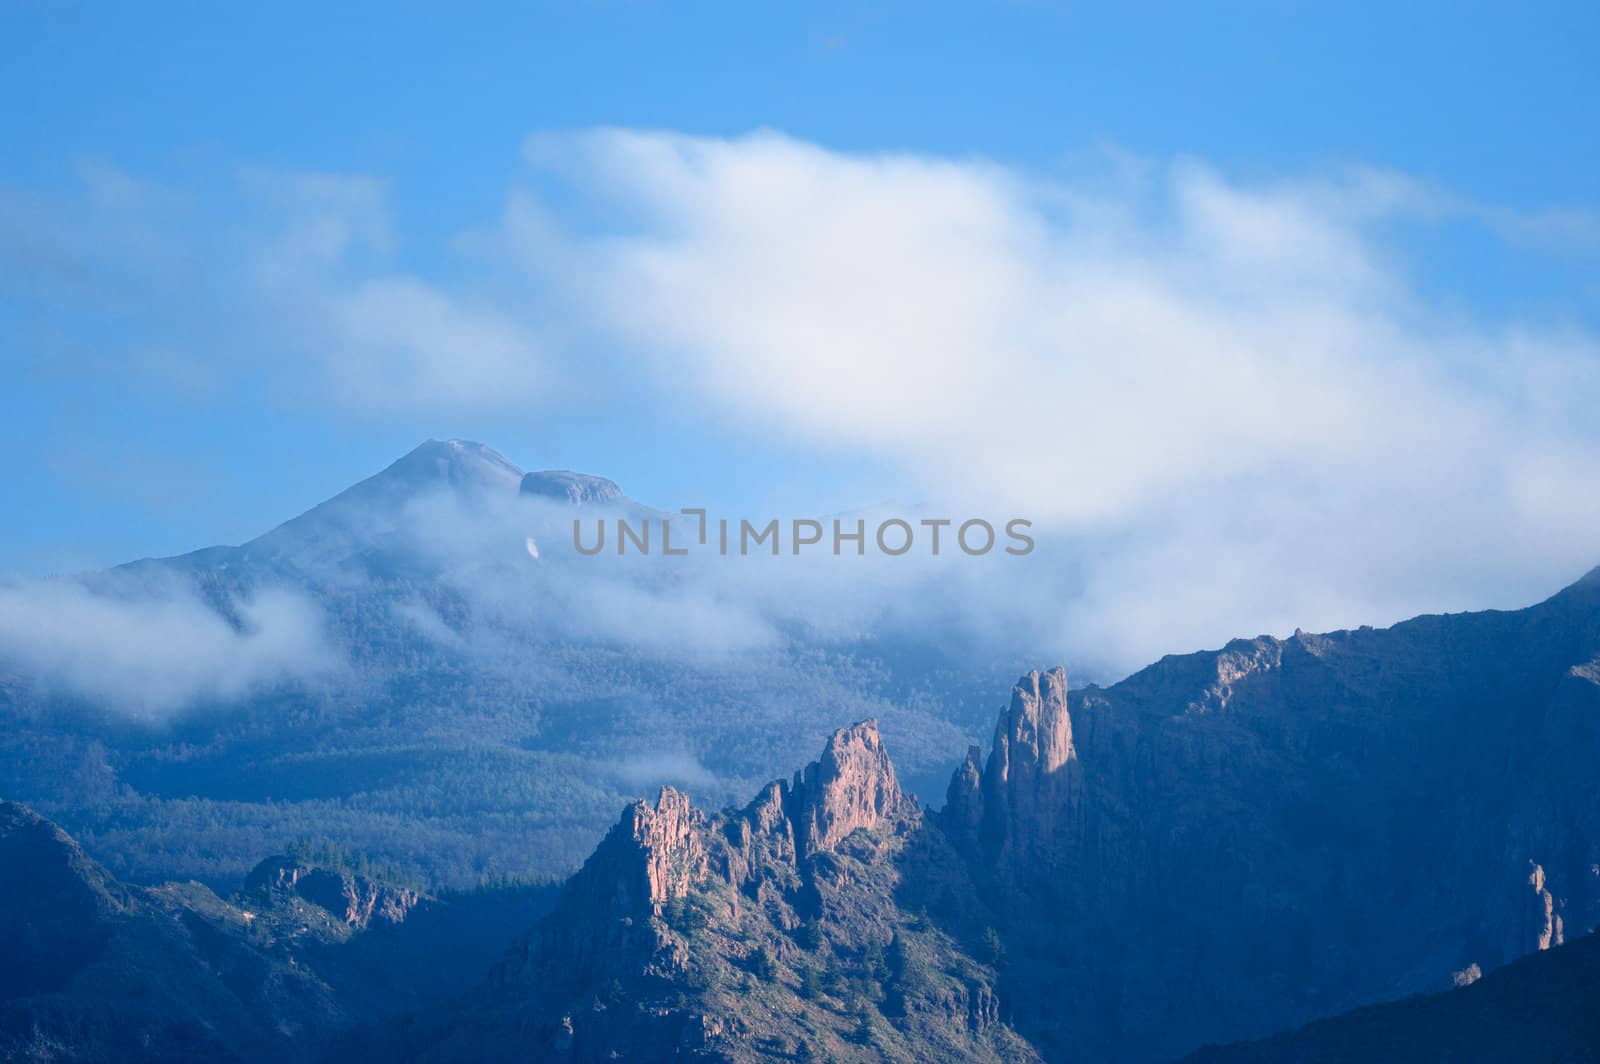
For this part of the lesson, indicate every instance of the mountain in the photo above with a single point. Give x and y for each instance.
(1220, 848)
(99, 970)
(771, 932)
(96, 970)
(1231, 843)
(1536, 1010)
(362, 527)
(477, 699)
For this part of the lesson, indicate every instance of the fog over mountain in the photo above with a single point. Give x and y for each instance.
(1241, 400)
(423, 666)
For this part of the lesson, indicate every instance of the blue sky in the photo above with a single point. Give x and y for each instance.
(1438, 165)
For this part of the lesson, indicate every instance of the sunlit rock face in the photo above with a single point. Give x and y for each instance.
(1224, 845)
(1023, 804)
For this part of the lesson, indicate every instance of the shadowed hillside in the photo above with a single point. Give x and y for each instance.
(1537, 1010)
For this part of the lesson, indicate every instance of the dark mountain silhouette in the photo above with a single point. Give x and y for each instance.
(92, 969)
(1536, 1010)
(96, 970)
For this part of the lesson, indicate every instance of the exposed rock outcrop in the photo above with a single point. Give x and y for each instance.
(852, 788)
(1021, 809)
(772, 932)
(1222, 846)
(356, 900)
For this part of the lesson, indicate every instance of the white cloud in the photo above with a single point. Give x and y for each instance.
(1231, 406)
(400, 341)
(642, 772)
(1229, 399)
(376, 338)
(152, 651)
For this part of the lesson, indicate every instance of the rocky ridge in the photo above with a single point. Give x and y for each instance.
(1234, 842)
(771, 932)
(1223, 846)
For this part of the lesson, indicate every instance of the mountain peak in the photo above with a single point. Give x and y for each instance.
(373, 506)
(1014, 806)
(1036, 730)
(566, 486)
(459, 463)
(851, 786)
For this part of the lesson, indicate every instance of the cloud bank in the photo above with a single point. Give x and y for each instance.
(1231, 403)
(151, 652)
(1229, 406)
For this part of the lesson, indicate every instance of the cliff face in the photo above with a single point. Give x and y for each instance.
(1020, 811)
(1230, 843)
(772, 932)
(852, 788)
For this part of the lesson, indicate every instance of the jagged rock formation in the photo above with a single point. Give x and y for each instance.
(1020, 811)
(768, 933)
(1230, 843)
(1537, 1010)
(852, 788)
